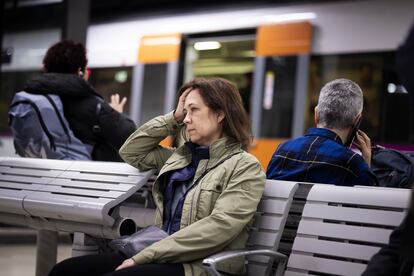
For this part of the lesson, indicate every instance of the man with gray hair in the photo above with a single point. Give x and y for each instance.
(323, 155)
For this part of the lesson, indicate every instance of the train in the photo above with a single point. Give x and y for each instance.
(279, 56)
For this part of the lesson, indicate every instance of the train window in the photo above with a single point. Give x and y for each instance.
(386, 103)
(108, 81)
(278, 97)
(230, 57)
(11, 82)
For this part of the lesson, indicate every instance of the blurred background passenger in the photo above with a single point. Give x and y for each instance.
(323, 155)
(92, 120)
(206, 192)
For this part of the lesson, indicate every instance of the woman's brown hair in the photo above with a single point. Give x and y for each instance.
(222, 95)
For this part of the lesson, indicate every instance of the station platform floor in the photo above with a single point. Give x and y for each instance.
(18, 251)
(20, 259)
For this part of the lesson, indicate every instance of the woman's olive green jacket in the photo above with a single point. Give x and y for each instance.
(217, 211)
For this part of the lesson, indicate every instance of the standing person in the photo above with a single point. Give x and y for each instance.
(206, 192)
(92, 120)
(320, 156)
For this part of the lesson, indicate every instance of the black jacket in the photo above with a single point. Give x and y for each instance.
(85, 109)
(391, 259)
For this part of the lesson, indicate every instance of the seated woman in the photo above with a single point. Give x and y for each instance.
(206, 192)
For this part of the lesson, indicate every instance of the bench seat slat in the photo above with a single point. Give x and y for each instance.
(100, 177)
(91, 185)
(26, 179)
(117, 168)
(82, 209)
(47, 164)
(11, 201)
(29, 172)
(50, 189)
(20, 186)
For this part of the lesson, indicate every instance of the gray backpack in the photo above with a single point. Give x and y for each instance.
(40, 129)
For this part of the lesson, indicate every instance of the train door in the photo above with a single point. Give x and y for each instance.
(154, 81)
(230, 56)
(270, 67)
(279, 86)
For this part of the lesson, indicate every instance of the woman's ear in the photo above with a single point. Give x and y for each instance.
(220, 116)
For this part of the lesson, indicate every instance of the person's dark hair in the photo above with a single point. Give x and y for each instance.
(65, 56)
(221, 95)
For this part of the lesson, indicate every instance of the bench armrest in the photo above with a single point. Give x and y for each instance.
(210, 262)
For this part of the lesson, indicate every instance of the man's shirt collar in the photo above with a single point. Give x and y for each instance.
(329, 134)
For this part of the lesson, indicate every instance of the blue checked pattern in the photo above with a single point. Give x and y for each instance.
(319, 157)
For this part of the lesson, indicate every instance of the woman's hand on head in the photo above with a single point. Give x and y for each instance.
(179, 114)
(126, 263)
(116, 103)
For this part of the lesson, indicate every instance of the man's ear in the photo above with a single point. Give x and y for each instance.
(357, 119)
(316, 117)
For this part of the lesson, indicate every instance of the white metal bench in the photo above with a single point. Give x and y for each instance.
(343, 227)
(67, 195)
(71, 196)
(266, 231)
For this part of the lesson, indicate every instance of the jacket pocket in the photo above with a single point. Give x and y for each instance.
(207, 199)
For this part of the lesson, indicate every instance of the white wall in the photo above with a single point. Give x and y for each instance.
(6, 146)
(29, 48)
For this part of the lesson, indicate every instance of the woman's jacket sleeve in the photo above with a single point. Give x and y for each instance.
(142, 149)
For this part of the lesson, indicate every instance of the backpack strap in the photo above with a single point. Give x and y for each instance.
(41, 121)
(59, 116)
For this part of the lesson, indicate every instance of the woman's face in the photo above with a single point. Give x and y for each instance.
(202, 124)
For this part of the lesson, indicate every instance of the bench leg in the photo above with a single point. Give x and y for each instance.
(83, 245)
(46, 251)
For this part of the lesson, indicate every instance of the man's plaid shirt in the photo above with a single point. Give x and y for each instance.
(319, 157)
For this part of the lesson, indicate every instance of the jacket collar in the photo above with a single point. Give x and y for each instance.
(222, 148)
(218, 150)
(197, 153)
(324, 132)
